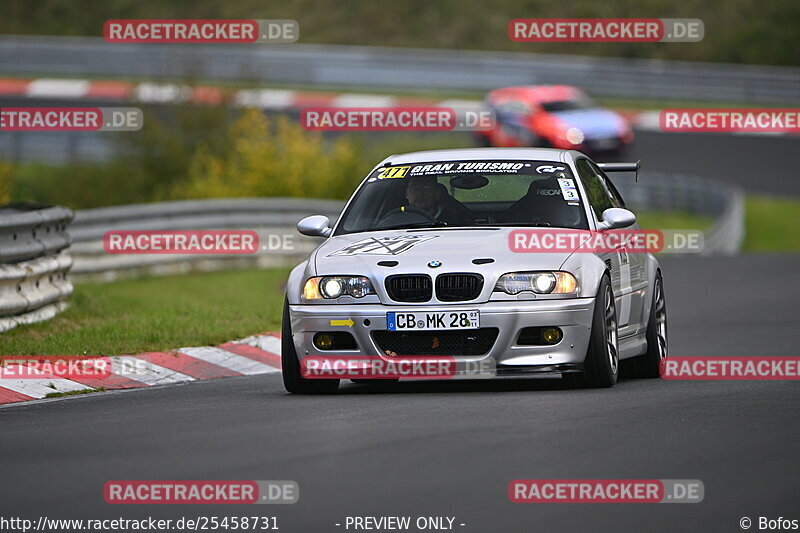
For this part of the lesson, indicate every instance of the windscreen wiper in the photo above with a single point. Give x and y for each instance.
(433, 224)
(523, 225)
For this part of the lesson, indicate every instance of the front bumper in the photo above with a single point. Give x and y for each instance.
(506, 356)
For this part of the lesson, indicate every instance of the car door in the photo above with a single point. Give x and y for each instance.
(618, 260)
(637, 261)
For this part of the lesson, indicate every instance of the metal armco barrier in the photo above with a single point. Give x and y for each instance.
(664, 191)
(272, 218)
(408, 68)
(33, 266)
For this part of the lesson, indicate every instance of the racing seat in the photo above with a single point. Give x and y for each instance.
(460, 210)
(543, 203)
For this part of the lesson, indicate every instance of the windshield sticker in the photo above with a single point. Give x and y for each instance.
(394, 172)
(549, 169)
(394, 245)
(468, 167)
(548, 192)
(568, 189)
(473, 167)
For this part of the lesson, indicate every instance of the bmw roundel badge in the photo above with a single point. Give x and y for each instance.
(435, 264)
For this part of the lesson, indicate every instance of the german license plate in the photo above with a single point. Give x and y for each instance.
(427, 320)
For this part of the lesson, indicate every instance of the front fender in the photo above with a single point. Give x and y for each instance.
(588, 269)
(297, 277)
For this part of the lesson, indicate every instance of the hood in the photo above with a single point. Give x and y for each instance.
(413, 250)
(594, 123)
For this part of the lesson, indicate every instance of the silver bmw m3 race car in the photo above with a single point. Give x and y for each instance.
(473, 263)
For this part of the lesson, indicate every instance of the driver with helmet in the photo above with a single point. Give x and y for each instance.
(427, 195)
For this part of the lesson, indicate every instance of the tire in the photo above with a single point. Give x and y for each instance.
(649, 364)
(293, 381)
(601, 367)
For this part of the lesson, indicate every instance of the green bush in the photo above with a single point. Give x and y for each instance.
(272, 158)
(206, 152)
(6, 176)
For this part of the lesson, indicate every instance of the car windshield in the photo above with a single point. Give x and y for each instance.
(574, 104)
(466, 194)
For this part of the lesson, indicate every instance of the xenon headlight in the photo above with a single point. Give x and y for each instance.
(331, 287)
(538, 282)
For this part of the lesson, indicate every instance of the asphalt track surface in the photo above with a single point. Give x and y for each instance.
(447, 448)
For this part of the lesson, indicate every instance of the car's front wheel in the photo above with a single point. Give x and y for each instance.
(293, 379)
(601, 367)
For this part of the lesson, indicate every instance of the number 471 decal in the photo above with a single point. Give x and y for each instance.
(394, 172)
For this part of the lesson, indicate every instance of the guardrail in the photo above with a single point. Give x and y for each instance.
(664, 191)
(407, 68)
(33, 268)
(269, 217)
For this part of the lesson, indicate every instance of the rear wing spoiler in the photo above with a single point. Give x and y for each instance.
(621, 167)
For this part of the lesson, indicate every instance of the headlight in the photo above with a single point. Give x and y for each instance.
(575, 136)
(331, 287)
(538, 282)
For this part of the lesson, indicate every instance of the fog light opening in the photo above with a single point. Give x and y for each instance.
(323, 341)
(334, 340)
(551, 335)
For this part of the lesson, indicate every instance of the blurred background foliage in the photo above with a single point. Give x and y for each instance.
(736, 31)
(266, 158)
(191, 151)
(214, 152)
(6, 175)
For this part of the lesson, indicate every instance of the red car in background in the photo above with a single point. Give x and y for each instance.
(558, 116)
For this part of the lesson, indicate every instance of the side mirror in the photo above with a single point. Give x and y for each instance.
(616, 218)
(315, 226)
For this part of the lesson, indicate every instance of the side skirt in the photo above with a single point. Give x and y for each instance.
(632, 346)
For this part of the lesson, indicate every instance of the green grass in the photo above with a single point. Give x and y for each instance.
(772, 224)
(672, 220)
(156, 314)
(73, 393)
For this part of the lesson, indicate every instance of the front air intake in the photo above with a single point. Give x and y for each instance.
(409, 287)
(458, 287)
